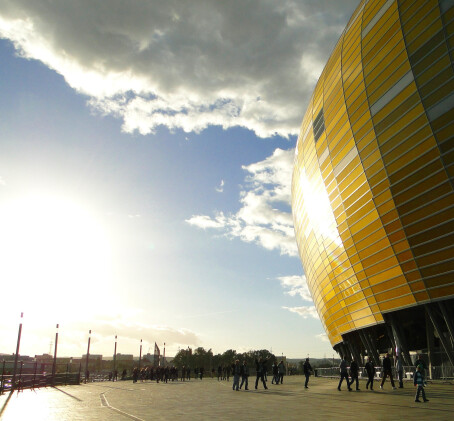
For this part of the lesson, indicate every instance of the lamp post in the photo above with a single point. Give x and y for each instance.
(115, 359)
(187, 358)
(17, 352)
(54, 365)
(140, 355)
(87, 374)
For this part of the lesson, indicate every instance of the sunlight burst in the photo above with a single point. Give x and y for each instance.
(54, 253)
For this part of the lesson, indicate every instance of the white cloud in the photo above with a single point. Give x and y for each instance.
(220, 188)
(131, 325)
(322, 337)
(304, 311)
(296, 285)
(204, 222)
(132, 331)
(2, 181)
(184, 64)
(264, 217)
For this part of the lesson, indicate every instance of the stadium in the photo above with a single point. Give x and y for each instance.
(373, 184)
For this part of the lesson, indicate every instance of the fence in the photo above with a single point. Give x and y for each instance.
(31, 374)
(442, 372)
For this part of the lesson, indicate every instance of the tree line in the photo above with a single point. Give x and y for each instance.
(199, 357)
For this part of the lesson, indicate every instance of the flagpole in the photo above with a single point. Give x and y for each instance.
(140, 355)
(54, 365)
(87, 374)
(114, 359)
(13, 384)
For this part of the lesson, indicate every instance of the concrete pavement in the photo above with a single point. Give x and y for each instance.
(212, 400)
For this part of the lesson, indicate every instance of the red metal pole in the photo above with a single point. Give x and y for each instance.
(13, 384)
(140, 355)
(54, 365)
(88, 355)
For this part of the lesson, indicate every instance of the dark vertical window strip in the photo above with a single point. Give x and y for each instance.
(444, 22)
(417, 55)
(446, 157)
(319, 125)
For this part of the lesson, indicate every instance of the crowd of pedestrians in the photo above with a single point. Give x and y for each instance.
(239, 371)
(349, 371)
(163, 374)
(352, 371)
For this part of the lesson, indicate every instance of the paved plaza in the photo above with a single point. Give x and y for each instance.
(212, 400)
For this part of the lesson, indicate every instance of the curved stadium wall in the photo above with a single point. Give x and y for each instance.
(373, 188)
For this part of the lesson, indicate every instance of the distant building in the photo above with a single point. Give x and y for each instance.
(44, 358)
(125, 357)
(11, 357)
(95, 362)
(148, 358)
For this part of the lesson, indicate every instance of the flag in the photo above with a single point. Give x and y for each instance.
(157, 354)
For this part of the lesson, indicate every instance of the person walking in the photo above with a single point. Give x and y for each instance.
(244, 372)
(265, 369)
(400, 371)
(275, 369)
(281, 371)
(135, 375)
(260, 367)
(344, 374)
(236, 375)
(307, 372)
(354, 371)
(219, 372)
(370, 370)
(387, 371)
(420, 362)
(418, 381)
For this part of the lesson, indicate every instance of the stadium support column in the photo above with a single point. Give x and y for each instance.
(371, 352)
(448, 319)
(365, 344)
(430, 341)
(375, 352)
(349, 349)
(341, 350)
(400, 341)
(353, 346)
(346, 351)
(444, 342)
(391, 338)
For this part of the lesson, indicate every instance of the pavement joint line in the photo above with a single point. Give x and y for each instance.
(5, 404)
(113, 387)
(68, 394)
(105, 404)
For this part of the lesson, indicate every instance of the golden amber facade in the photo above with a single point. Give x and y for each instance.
(373, 178)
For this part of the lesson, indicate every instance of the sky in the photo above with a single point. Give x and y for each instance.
(145, 168)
